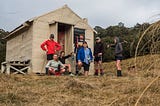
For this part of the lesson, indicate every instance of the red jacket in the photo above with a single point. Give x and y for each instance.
(52, 46)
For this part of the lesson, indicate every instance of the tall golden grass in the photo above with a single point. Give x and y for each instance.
(150, 39)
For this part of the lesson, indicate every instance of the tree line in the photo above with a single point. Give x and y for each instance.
(129, 37)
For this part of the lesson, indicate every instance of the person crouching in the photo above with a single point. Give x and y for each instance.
(85, 57)
(55, 67)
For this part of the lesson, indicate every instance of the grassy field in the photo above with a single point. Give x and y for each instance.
(33, 90)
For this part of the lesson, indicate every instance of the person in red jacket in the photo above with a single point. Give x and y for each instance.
(51, 47)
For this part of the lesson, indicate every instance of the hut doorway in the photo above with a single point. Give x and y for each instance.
(64, 35)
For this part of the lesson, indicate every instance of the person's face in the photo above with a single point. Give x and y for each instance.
(55, 57)
(62, 54)
(98, 40)
(51, 38)
(85, 45)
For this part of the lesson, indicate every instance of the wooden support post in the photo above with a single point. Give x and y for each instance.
(21, 70)
(29, 69)
(3, 67)
(17, 70)
(7, 68)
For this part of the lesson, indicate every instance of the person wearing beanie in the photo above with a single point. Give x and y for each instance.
(50, 47)
(118, 55)
(98, 54)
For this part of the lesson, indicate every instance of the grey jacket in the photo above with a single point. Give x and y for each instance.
(54, 64)
(118, 48)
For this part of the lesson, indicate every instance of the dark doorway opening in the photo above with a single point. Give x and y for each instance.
(63, 33)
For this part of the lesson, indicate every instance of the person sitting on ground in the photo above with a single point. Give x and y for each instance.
(85, 57)
(55, 67)
(62, 59)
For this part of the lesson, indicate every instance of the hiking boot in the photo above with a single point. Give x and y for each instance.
(101, 72)
(119, 73)
(95, 74)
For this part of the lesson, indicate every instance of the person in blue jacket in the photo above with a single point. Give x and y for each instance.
(84, 58)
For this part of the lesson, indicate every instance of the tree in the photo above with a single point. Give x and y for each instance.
(2, 45)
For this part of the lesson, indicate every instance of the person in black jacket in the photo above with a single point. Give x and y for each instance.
(98, 54)
(62, 59)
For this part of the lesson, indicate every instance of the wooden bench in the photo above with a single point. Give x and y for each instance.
(15, 67)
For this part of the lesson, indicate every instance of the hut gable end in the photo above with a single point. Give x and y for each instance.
(63, 15)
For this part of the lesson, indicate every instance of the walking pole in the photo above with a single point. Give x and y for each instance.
(43, 65)
(44, 62)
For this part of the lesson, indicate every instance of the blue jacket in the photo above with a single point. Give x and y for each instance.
(81, 54)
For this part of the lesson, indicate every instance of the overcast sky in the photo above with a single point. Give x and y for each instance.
(102, 13)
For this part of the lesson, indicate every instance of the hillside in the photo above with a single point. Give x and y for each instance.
(33, 90)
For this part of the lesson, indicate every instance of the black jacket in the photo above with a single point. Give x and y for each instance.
(62, 59)
(98, 48)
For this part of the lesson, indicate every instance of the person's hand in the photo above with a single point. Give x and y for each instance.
(108, 46)
(79, 63)
(46, 51)
(71, 53)
(91, 61)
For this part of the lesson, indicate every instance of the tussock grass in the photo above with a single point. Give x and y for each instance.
(77, 91)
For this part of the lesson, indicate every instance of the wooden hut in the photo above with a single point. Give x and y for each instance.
(23, 43)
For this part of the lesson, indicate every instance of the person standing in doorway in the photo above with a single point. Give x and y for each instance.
(84, 58)
(98, 54)
(50, 47)
(78, 47)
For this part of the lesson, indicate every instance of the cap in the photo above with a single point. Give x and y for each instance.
(98, 38)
